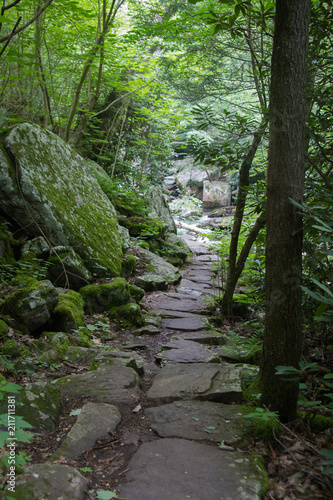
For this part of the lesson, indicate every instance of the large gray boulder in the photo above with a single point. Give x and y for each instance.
(191, 179)
(160, 209)
(47, 188)
(216, 194)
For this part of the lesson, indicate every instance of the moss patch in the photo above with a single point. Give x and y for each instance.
(68, 314)
(128, 314)
(99, 298)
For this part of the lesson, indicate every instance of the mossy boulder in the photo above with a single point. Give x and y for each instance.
(67, 269)
(58, 341)
(32, 305)
(38, 246)
(58, 192)
(39, 404)
(127, 314)
(68, 315)
(100, 297)
(11, 348)
(143, 227)
(4, 329)
(128, 266)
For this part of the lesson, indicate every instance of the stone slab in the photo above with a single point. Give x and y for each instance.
(203, 337)
(201, 420)
(50, 482)
(203, 381)
(190, 295)
(121, 358)
(107, 384)
(177, 469)
(185, 351)
(95, 421)
(192, 285)
(184, 305)
(185, 324)
(165, 313)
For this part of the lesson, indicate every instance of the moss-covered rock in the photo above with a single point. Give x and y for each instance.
(128, 266)
(100, 297)
(321, 423)
(68, 314)
(160, 209)
(136, 293)
(128, 314)
(58, 341)
(32, 305)
(39, 404)
(143, 227)
(61, 195)
(158, 274)
(11, 348)
(3, 330)
(38, 246)
(67, 268)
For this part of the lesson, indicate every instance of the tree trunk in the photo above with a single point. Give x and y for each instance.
(285, 180)
(226, 305)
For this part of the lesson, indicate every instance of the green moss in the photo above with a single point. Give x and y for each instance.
(68, 314)
(128, 314)
(3, 330)
(11, 348)
(321, 423)
(58, 341)
(136, 293)
(143, 227)
(11, 303)
(99, 298)
(40, 405)
(128, 266)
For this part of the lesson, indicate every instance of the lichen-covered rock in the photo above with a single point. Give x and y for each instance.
(33, 304)
(38, 246)
(160, 209)
(216, 194)
(99, 298)
(58, 192)
(68, 315)
(125, 237)
(159, 273)
(39, 404)
(67, 269)
(50, 482)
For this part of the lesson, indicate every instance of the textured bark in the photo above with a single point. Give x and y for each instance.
(285, 180)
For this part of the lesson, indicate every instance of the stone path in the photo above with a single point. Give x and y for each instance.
(193, 406)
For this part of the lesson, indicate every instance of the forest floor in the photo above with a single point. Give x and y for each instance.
(292, 461)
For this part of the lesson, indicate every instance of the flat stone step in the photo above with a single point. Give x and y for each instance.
(192, 285)
(177, 469)
(203, 381)
(185, 324)
(201, 420)
(184, 351)
(95, 421)
(185, 305)
(107, 384)
(202, 337)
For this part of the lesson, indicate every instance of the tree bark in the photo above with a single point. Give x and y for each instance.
(285, 180)
(232, 277)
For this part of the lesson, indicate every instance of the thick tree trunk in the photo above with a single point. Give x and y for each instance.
(285, 180)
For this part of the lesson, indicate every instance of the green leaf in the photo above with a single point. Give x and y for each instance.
(106, 495)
